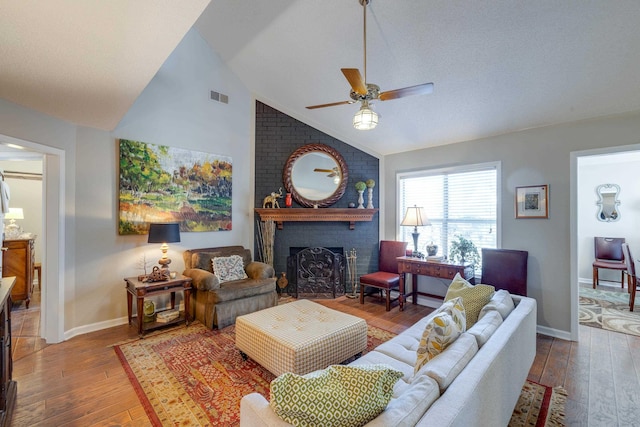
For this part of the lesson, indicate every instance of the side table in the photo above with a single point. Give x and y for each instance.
(141, 290)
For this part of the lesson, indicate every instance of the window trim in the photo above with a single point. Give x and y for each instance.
(471, 167)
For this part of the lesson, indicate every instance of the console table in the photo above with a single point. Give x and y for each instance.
(420, 267)
(141, 290)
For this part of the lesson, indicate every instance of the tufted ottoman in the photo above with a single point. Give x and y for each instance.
(300, 337)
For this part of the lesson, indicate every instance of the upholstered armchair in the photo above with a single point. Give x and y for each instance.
(238, 286)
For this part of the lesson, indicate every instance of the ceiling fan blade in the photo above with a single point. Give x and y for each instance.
(312, 107)
(355, 80)
(423, 89)
(323, 170)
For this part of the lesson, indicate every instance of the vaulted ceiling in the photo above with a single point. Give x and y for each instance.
(498, 66)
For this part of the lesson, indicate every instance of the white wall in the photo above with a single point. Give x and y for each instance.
(621, 169)
(174, 109)
(530, 157)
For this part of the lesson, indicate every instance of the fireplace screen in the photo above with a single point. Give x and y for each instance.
(317, 272)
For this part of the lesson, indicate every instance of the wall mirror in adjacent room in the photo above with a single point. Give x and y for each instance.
(608, 202)
(316, 175)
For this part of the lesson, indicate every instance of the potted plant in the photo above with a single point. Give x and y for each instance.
(464, 250)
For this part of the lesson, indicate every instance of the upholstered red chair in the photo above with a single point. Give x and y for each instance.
(505, 269)
(387, 276)
(608, 255)
(632, 280)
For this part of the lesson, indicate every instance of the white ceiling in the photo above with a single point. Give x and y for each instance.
(498, 66)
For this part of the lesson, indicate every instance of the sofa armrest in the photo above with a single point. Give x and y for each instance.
(202, 280)
(259, 270)
(256, 412)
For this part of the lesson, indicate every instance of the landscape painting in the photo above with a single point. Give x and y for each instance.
(167, 184)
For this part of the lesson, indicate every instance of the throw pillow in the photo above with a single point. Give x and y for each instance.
(455, 309)
(439, 333)
(339, 395)
(228, 268)
(473, 297)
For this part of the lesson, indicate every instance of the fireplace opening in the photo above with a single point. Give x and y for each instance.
(316, 272)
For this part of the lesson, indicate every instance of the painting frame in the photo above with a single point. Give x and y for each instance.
(532, 201)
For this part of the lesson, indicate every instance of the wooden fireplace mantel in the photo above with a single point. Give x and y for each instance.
(350, 215)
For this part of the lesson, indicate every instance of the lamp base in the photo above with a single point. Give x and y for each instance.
(164, 262)
(415, 241)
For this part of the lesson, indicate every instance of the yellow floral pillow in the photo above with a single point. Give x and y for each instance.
(473, 297)
(439, 333)
(337, 396)
(455, 309)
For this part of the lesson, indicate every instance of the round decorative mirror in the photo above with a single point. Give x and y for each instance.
(608, 202)
(315, 175)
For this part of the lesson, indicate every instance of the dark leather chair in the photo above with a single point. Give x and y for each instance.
(609, 255)
(387, 277)
(632, 280)
(505, 269)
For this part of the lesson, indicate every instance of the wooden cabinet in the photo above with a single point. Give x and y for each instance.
(18, 257)
(8, 387)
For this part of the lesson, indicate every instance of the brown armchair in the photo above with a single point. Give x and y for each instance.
(388, 277)
(609, 255)
(505, 269)
(632, 280)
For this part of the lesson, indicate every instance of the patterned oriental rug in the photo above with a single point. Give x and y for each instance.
(608, 310)
(195, 376)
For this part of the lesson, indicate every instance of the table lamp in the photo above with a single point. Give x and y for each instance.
(415, 217)
(12, 230)
(164, 233)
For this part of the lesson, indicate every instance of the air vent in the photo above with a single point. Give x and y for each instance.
(220, 97)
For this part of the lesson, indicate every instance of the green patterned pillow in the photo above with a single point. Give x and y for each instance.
(455, 308)
(339, 395)
(439, 333)
(473, 297)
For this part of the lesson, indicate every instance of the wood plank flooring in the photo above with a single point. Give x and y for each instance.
(81, 382)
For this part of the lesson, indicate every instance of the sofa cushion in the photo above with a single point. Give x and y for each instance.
(338, 395)
(439, 334)
(455, 308)
(485, 327)
(501, 301)
(445, 367)
(407, 409)
(228, 268)
(473, 297)
(202, 280)
(202, 260)
(236, 289)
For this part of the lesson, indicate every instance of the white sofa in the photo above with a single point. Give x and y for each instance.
(476, 381)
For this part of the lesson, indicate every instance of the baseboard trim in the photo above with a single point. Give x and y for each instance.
(555, 333)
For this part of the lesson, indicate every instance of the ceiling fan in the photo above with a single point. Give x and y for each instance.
(331, 172)
(364, 92)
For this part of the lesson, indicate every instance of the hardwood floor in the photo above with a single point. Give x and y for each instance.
(81, 382)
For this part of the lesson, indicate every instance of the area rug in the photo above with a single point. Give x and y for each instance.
(196, 377)
(539, 406)
(608, 310)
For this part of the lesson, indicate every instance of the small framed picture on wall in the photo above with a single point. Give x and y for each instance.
(532, 201)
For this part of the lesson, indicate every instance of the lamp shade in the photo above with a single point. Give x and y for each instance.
(365, 118)
(164, 232)
(14, 213)
(415, 216)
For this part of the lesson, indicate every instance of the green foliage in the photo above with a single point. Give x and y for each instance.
(370, 183)
(464, 250)
(360, 186)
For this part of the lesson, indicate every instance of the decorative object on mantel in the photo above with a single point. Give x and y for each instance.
(415, 217)
(288, 200)
(352, 270)
(316, 215)
(370, 184)
(164, 233)
(272, 199)
(266, 239)
(12, 230)
(360, 186)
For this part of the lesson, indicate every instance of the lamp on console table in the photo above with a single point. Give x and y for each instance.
(164, 233)
(415, 217)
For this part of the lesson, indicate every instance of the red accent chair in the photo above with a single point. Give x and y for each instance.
(608, 255)
(505, 269)
(631, 275)
(388, 277)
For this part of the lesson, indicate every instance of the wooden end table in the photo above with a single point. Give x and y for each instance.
(141, 290)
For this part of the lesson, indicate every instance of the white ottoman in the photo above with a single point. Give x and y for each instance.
(300, 337)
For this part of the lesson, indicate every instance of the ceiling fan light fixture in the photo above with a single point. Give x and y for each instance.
(365, 118)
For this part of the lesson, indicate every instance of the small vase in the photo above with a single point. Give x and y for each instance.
(288, 200)
(282, 283)
(432, 249)
(370, 201)
(360, 199)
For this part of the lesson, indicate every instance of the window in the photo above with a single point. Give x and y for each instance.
(458, 201)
